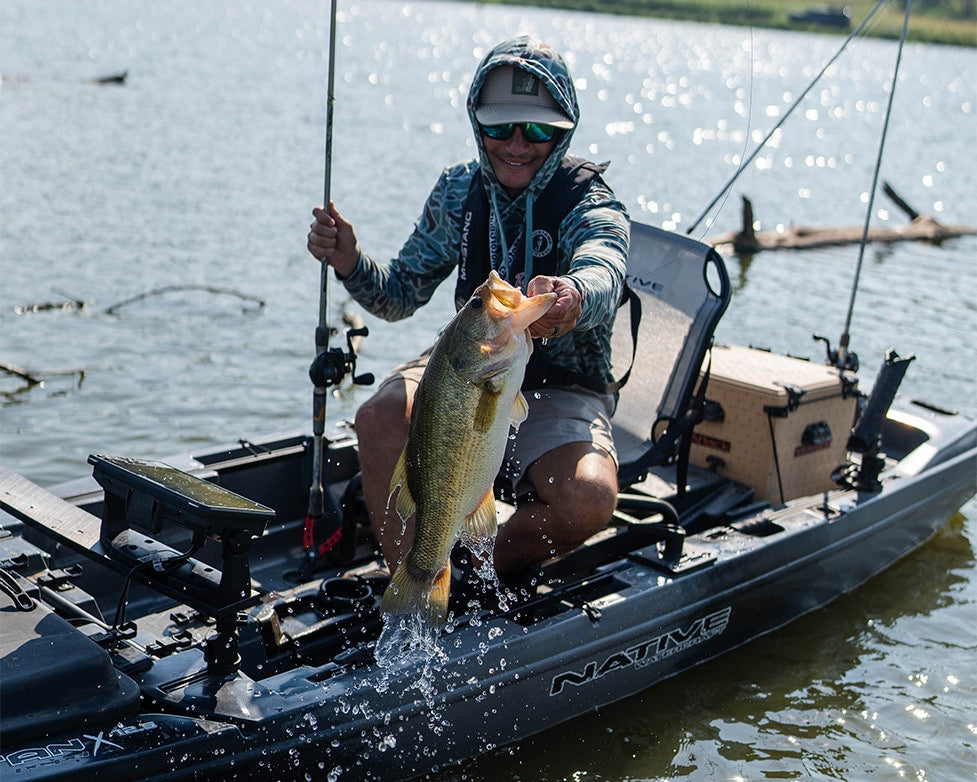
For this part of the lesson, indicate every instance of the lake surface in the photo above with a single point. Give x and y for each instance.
(201, 172)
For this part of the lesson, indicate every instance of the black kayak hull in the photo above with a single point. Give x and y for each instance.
(628, 624)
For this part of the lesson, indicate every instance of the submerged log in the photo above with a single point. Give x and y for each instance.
(36, 378)
(921, 228)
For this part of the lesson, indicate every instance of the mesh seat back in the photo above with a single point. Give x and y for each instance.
(683, 289)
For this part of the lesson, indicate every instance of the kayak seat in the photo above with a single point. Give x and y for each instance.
(678, 289)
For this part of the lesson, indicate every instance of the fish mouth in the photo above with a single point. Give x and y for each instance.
(532, 309)
(504, 302)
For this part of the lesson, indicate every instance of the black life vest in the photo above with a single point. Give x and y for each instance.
(564, 191)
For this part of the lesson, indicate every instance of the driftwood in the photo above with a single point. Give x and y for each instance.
(69, 304)
(23, 374)
(171, 288)
(37, 378)
(921, 228)
(78, 304)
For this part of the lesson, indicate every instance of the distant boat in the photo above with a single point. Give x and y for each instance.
(826, 16)
(112, 78)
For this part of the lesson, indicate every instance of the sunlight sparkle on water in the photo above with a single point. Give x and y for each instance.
(918, 712)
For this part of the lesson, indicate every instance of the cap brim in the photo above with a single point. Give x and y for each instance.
(501, 113)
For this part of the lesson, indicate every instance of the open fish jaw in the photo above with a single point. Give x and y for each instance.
(505, 302)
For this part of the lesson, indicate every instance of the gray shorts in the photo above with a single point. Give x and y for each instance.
(557, 416)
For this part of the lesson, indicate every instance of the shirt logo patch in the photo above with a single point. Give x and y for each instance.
(542, 243)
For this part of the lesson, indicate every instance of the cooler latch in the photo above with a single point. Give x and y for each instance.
(794, 394)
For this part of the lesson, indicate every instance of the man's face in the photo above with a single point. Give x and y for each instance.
(515, 160)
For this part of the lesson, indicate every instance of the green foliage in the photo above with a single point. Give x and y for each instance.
(932, 21)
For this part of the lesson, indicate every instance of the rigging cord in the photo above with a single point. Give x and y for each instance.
(845, 337)
(783, 119)
(161, 565)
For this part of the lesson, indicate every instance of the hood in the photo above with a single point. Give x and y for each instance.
(544, 62)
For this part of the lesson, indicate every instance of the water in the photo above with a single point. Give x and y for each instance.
(202, 171)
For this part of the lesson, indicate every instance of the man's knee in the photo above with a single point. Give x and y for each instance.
(383, 414)
(586, 504)
(592, 507)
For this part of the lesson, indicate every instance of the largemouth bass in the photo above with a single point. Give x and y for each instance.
(466, 400)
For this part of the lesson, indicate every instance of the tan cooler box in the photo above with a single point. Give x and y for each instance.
(785, 422)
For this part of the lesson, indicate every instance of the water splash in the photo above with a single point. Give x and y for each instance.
(408, 642)
(406, 639)
(483, 558)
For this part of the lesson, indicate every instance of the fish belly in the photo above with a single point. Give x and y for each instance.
(451, 465)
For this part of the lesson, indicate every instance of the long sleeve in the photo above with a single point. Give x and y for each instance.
(393, 291)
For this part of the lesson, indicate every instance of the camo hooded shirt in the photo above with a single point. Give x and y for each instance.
(592, 242)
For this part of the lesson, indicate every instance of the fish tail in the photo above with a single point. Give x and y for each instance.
(410, 592)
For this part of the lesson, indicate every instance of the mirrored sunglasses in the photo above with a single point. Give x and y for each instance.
(533, 132)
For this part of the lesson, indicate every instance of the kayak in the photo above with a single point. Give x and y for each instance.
(167, 620)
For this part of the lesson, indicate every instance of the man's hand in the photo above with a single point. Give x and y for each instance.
(331, 238)
(562, 316)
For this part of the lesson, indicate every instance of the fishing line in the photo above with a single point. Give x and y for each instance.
(749, 125)
(845, 337)
(776, 127)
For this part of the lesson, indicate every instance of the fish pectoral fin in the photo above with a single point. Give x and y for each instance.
(399, 477)
(405, 500)
(487, 409)
(493, 380)
(483, 523)
(405, 503)
(520, 410)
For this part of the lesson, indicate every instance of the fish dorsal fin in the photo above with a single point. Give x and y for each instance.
(405, 500)
(483, 523)
(520, 410)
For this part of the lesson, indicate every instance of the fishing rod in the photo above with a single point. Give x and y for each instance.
(742, 167)
(842, 359)
(865, 438)
(330, 366)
